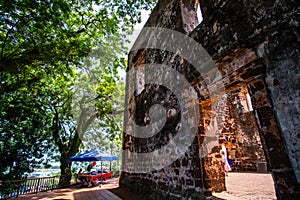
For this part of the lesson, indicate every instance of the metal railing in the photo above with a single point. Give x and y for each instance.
(16, 188)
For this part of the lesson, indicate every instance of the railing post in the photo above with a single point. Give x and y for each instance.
(53, 181)
(37, 186)
(18, 184)
(16, 188)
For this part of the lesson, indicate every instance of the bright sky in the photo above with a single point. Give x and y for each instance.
(138, 28)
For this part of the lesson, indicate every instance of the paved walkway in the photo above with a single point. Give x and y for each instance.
(248, 186)
(240, 186)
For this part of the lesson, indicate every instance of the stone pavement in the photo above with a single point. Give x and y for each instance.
(248, 186)
(240, 186)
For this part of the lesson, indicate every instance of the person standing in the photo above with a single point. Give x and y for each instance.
(225, 163)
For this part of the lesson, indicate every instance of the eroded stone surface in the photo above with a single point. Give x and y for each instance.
(255, 46)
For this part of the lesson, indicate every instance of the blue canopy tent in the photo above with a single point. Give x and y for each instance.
(93, 155)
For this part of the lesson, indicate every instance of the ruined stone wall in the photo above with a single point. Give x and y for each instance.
(184, 176)
(239, 132)
(283, 82)
(250, 41)
(255, 45)
(235, 127)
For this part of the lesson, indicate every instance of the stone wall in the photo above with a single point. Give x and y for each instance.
(249, 42)
(283, 82)
(255, 46)
(239, 132)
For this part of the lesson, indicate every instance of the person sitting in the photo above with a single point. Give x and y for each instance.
(82, 179)
(78, 174)
(93, 172)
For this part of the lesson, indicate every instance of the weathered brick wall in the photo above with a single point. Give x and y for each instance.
(283, 82)
(185, 176)
(239, 132)
(250, 42)
(255, 45)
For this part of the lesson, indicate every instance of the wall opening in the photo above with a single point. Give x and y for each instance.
(239, 133)
(199, 14)
(191, 15)
(244, 120)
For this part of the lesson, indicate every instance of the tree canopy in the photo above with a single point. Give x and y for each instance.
(55, 32)
(59, 63)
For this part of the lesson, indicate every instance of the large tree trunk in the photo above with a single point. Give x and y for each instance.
(65, 168)
(71, 147)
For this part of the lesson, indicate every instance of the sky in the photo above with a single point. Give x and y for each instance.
(137, 28)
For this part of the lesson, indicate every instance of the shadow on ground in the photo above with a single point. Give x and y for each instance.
(125, 195)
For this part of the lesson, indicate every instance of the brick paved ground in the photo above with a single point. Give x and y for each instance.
(240, 186)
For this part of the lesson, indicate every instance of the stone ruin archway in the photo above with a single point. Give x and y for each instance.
(235, 127)
(248, 42)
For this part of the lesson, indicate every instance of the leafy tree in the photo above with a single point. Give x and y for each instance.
(52, 32)
(42, 46)
(24, 128)
(104, 132)
(76, 110)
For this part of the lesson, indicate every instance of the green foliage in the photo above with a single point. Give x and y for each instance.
(59, 32)
(59, 82)
(24, 128)
(107, 93)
